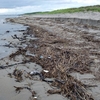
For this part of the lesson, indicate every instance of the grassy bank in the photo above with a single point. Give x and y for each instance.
(95, 8)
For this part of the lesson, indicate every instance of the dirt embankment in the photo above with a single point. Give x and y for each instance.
(69, 48)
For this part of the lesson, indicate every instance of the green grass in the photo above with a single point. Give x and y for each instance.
(95, 8)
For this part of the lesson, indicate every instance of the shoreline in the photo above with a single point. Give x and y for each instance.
(67, 51)
(6, 40)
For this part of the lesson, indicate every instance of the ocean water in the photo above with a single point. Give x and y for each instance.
(13, 29)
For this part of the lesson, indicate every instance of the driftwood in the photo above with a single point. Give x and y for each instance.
(8, 45)
(6, 66)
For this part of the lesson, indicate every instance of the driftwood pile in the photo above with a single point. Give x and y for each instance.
(52, 54)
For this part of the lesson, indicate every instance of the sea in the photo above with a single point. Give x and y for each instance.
(12, 28)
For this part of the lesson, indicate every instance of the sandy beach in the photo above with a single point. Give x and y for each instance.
(57, 57)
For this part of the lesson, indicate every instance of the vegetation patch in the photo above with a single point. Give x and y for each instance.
(95, 8)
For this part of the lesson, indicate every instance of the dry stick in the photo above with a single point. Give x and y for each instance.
(3, 67)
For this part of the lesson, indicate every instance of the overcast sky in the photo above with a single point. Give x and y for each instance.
(24, 6)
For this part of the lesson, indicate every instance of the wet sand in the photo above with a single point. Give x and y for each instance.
(7, 30)
(7, 83)
(60, 46)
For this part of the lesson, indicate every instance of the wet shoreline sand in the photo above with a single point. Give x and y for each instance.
(68, 50)
(7, 30)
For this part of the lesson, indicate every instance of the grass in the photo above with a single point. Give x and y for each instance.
(95, 8)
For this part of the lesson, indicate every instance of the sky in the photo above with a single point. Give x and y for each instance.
(26, 6)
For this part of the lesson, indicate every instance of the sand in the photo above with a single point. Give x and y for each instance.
(7, 90)
(83, 37)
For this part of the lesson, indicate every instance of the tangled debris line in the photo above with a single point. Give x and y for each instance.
(72, 88)
(59, 61)
(51, 51)
(65, 83)
(18, 90)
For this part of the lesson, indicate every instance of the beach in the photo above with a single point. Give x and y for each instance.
(56, 57)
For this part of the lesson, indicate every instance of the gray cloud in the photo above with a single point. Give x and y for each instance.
(25, 6)
(17, 3)
(20, 3)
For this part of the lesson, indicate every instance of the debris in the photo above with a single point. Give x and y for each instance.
(41, 76)
(49, 57)
(2, 67)
(60, 81)
(35, 97)
(41, 57)
(7, 31)
(10, 75)
(6, 66)
(49, 80)
(61, 62)
(18, 89)
(34, 72)
(46, 71)
(30, 54)
(18, 75)
(54, 91)
(33, 93)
